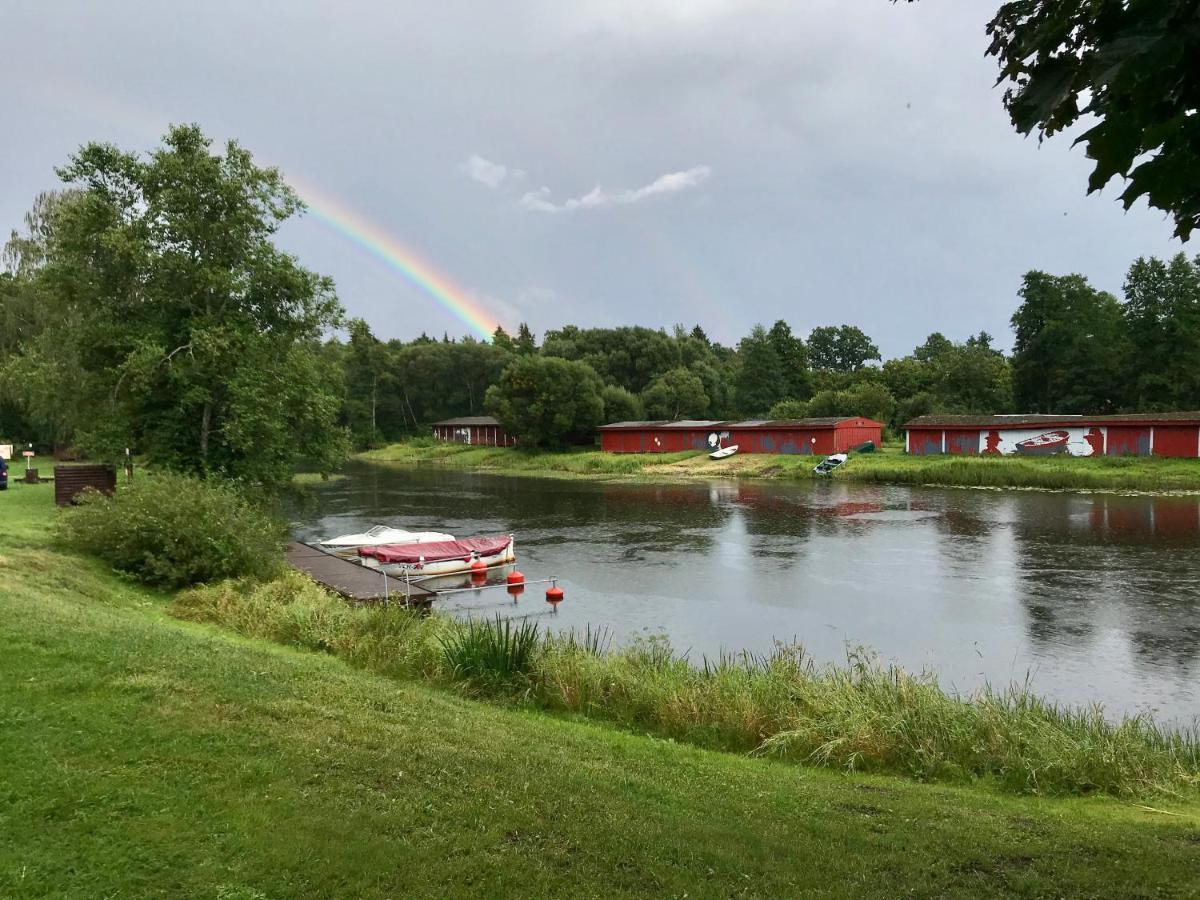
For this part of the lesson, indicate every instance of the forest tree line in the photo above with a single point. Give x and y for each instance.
(1076, 349)
(145, 305)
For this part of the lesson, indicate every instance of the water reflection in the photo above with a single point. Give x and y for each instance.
(1095, 597)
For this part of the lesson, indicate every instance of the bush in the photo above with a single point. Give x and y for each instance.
(176, 530)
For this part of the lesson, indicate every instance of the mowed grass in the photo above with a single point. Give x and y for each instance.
(889, 465)
(144, 756)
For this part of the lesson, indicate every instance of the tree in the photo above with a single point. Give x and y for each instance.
(367, 375)
(844, 348)
(1068, 335)
(620, 405)
(547, 401)
(793, 357)
(789, 409)
(1128, 65)
(760, 383)
(1162, 319)
(867, 398)
(178, 327)
(935, 345)
(677, 394)
(524, 342)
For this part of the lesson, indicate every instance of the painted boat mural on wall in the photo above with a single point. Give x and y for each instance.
(1152, 434)
(1072, 441)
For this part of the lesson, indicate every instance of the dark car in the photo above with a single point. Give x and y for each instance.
(3, 474)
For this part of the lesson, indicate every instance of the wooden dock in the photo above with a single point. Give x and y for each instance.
(352, 581)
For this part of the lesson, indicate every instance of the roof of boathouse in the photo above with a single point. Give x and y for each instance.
(1039, 419)
(798, 424)
(469, 420)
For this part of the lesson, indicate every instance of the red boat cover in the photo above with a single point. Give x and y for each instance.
(436, 551)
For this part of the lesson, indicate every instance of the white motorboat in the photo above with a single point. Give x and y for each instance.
(439, 557)
(829, 463)
(348, 544)
(724, 452)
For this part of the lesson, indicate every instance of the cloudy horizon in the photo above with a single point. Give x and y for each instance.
(713, 162)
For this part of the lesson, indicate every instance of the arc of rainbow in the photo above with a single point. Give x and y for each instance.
(106, 109)
(399, 258)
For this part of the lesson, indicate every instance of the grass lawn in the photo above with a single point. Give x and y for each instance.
(889, 465)
(144, 756)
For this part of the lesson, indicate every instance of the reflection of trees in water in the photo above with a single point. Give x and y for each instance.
(1129, 563)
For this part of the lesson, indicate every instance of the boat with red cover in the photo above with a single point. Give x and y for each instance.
(439, 557)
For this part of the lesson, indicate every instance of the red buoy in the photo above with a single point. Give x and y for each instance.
(515, 577)
(554, 595)
(478, 565)
(516, 590)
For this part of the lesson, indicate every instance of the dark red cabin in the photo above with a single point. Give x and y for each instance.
(481, 431)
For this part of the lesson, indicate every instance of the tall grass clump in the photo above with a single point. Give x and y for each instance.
(500, 652)
(176, 530)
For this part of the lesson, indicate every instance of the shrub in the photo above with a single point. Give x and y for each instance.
(492, 652)
(176, 530)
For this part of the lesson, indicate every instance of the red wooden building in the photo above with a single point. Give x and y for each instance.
(1136, 434)
(483, 431)
(801, 436)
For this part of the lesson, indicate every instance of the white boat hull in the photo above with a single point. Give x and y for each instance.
(441, 567)
(347, 545)
(724, 452)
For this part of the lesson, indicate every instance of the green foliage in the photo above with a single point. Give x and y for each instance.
(176, 530)
(866, 398)
(547, 402)
(789, 409)
(1126, 68)
(676, 394)
(760, 380)
(620, 405)
(793, 359)
(497, 652)
(1068, 335)
(844, 348)
(170, 318)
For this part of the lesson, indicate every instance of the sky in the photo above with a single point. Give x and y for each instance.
(712, 162)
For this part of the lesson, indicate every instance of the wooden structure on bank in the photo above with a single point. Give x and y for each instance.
(69, 481)
(352, 581)
(481, 431)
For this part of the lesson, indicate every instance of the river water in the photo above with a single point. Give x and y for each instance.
(1091, 597)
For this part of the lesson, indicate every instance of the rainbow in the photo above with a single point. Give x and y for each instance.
(383, 246)
(107, 109)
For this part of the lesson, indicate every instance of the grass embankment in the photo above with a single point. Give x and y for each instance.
(887, 466)
(148, 756)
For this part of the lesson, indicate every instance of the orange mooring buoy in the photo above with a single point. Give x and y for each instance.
(515, 577)
(554, 595)
(516, 590)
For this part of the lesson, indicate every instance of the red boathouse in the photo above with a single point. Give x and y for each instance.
(1134, 434)
(818, 437)
(482, 431)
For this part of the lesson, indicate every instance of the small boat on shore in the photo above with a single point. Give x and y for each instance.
(724, 452)
(829, 463)
(347, 545)
(439, 557)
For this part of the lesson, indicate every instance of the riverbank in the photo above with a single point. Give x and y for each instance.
(887, 466)
(176, 758)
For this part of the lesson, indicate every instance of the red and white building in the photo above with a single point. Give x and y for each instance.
(818, 437)
(1149, 434)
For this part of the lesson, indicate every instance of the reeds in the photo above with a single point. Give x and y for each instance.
(860, 715)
